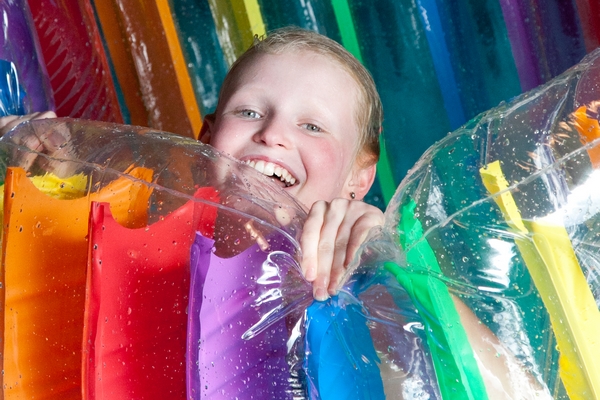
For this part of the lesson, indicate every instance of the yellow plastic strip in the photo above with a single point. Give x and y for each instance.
(181, 71)
(253, 18)
(236, 21)
(229, 37)
(59, 188)
(552, 263)
(246, 14)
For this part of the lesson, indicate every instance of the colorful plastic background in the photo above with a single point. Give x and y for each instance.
(161, 63)
(157, 267)
(503, 215)
(96, 247)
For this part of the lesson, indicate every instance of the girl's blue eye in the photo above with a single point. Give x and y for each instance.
(312, 128)
(249, 114)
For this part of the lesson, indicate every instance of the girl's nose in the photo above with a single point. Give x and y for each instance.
(274, 133)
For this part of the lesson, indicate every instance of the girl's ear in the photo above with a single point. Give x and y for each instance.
(361, 181)
(206, 130)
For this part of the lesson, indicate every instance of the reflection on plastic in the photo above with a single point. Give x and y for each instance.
(228, 296)
(22, 63)
(132, 284)
(72, 49)
(136, 272)
(339, 349)
(483, 283)
(44, 258)
(509, 215)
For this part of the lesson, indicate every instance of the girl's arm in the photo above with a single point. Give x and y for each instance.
(503, 375)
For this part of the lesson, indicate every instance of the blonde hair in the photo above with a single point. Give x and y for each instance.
(370, 110)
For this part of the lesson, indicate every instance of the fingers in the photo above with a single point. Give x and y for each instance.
(43, 115)
(360, 230)
(346, 233)
(321, 245)
(9, 122)
(358, 220)
(331, 237)
(28, 158)
(309, 241)
(53, 140)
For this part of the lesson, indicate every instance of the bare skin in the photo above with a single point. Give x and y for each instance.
(10, 121)
(295, 111)
(503, 375)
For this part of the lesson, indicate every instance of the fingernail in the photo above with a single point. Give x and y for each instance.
(310, 274)
(320, 294)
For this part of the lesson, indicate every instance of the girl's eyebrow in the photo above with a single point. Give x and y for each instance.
(245, 96)
(320, 115)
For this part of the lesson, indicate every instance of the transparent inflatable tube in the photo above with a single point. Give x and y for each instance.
(257, 313)
(483, 282)
(507, 204)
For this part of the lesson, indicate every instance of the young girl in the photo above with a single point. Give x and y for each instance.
(300, 109)
(297, 106)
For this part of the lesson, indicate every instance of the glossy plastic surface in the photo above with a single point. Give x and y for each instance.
(503, 214)
(137, 268)
(74, 57)
(161, 63)
(137, 296)
(45, 251)
(25, 82)
(245, 329)
(483, 283)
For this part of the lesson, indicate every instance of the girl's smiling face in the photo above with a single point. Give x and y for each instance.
(292, 116)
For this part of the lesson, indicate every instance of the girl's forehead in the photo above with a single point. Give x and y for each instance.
(330, 80)
(289, 57)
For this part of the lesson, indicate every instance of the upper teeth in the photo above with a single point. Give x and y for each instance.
(270, 169)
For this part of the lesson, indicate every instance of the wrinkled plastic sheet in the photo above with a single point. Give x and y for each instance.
(180, 268)
(188, 282)
(504, 211)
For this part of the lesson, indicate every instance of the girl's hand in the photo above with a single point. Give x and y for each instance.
(54, 142)
(332, 234)
(10, 121)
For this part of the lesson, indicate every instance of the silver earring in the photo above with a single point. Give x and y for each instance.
(352, 195)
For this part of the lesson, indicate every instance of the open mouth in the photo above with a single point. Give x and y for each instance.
(273, 171)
